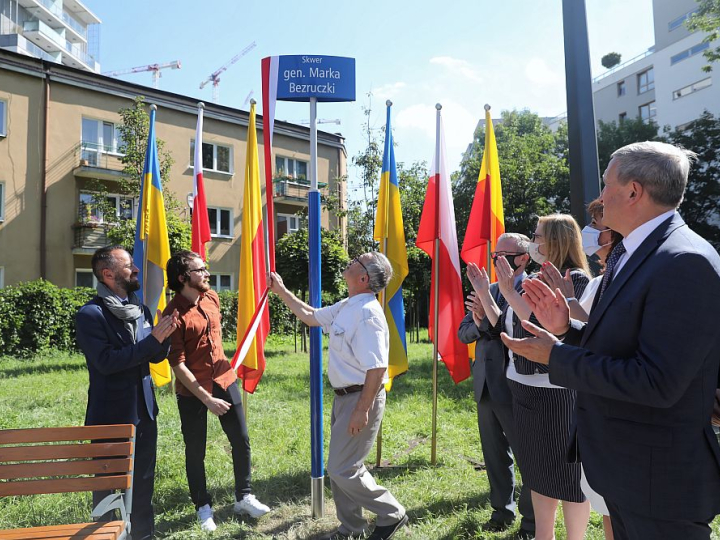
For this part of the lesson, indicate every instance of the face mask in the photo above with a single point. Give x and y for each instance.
(591, 240)
(535, 255)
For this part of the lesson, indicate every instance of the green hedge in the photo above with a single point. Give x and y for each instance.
(37, 315)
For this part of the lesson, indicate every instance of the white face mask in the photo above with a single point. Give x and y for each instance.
(535, 255)
(591, 240)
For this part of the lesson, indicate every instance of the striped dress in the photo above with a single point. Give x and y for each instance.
(543, 417)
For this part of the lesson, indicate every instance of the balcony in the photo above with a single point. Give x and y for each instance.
(47, 11)
(42, 35)
(294, 191)
(75, 57)
(97, 161)
(88, 237)
(77, 32)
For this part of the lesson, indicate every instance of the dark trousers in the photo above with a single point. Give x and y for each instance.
(142, 518)
(193, 420)
(631, 526)
(497, 434)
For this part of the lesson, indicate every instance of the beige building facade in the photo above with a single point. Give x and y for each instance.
(59, 133)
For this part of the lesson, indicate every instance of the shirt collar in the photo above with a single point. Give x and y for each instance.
(633, 240)
(519, 278)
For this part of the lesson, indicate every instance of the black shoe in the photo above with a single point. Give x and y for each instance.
(496, 526)
(524, 534)
(388, 531)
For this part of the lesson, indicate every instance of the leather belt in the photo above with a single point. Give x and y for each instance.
(349, 389)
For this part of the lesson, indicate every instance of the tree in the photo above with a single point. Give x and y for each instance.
(707, 19)
(610, 60)
(533, 170)
(179, 233)
(611, 136)
(702, 197)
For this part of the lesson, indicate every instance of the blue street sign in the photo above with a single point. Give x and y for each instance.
(327, 78)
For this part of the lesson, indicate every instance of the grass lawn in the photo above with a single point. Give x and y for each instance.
(449, 501)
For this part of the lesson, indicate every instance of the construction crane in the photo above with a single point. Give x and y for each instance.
(215, 76)
(155, 68)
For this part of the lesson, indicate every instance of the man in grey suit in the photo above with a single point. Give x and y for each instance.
(646, 363)
(494, 402)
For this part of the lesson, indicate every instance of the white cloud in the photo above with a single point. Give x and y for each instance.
(538, 72)
(389, 91)
(461, 67)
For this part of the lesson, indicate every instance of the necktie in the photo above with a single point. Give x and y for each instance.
(612, 261)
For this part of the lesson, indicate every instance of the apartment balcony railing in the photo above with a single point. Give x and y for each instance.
(89, 236)
(97, 161)
(291, 190)
(81, 55)
(75, 26)
(44, 36)
(614, 69)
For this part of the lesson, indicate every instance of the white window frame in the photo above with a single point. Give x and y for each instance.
(687, 53)
(678, 22)
(86, 271)
(102, 147)
(649, 85)
(621, 88)
(215, 146)
(283, 171)
(117, 197)
(3, 117)
(215, 227)
(2, 202)
(692, 88)
(289, 218)
(218, 287)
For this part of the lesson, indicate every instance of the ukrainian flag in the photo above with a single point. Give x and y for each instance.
(152, 247)
(390, 234)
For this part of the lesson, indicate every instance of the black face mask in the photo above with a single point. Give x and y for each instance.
(511, 261)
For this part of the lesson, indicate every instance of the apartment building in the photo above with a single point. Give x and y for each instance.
(59, 132)
(61, 31)
(666, 83)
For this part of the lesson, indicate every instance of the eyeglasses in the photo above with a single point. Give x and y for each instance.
(535, 236)
(202, 270)
(495, 254)
(357, 260)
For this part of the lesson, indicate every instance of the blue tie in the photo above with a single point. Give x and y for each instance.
(617, 252)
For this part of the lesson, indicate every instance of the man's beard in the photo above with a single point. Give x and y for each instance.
(128, 285)
(201, 287)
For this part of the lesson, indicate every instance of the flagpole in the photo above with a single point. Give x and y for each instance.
(383, 250)
(436, 289)
(317, 493)
(489, 241)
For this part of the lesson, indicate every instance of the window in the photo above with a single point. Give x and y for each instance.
(287, 223)
(677, 23)
(290, 167)
(221, 282)
(687, 53)
(2, 202)
(89, 210)
(646, 81)
(215, 157)
(220, 222)
(84, 277)
(621, 117)
(692, 88)
(647, 111)
(99, 136)
(621, 88)
(3, 118)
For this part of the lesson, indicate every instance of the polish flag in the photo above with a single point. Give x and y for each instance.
(437, 225)
(200, 219)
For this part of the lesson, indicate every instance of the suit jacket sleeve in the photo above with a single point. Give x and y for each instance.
(95, 338)
(469, 331)
(666, 346)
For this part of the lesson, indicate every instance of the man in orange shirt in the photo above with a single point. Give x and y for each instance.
(206, 381)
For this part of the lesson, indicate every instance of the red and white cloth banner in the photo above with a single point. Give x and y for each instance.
(200, 219)
(269, 99)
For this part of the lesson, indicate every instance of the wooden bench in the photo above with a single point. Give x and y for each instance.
(70, 460)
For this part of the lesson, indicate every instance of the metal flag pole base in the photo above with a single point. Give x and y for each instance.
(317, 497)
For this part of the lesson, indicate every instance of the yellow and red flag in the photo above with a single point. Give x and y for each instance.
(253, 320)
(486, 221)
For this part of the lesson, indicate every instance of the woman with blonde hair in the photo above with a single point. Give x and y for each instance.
(542, 411)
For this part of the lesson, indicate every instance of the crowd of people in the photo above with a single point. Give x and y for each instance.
(601, 389)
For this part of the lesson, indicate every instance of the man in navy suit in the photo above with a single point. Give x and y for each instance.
(494, 402)
(115, 332)
(646, 363)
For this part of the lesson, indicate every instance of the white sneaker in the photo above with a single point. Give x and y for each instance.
(205, 517)
(251, 506)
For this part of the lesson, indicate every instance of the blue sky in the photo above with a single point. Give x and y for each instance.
(462, 54)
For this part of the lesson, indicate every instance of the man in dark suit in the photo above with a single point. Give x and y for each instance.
(115, 332)
(494, 402)
(646, 363)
